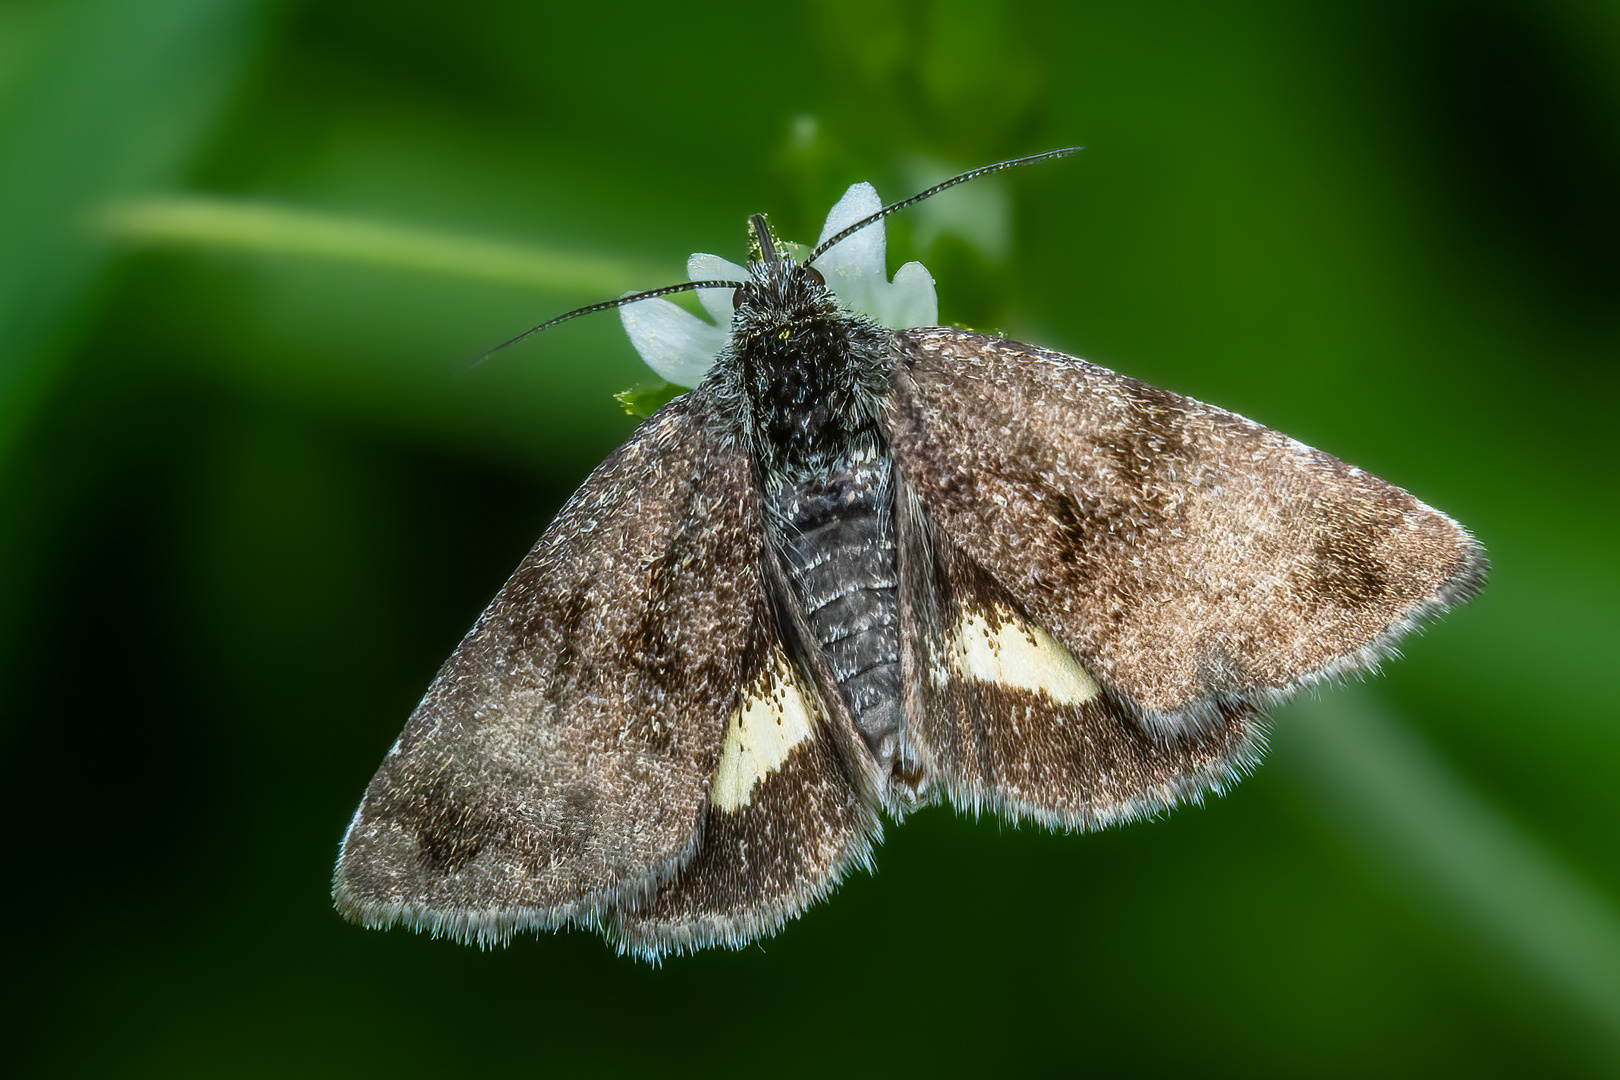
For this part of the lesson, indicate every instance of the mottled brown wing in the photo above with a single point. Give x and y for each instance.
(1001, 716)
(560, 763)
(792, 807)
(1194, 562)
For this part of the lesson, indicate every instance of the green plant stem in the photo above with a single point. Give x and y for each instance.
(201, 221)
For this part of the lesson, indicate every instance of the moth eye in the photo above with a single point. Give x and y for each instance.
(814, 275)
(737, 297)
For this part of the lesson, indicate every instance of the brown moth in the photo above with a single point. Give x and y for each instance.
(858, 570)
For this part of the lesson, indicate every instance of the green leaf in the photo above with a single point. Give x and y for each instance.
(644, 399)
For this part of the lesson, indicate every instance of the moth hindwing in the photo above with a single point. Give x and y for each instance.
(858, 570)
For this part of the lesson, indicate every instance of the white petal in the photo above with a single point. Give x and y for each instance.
(717, 302)
(911, 300)
(860, 201)
(854, 267)
(676, 344)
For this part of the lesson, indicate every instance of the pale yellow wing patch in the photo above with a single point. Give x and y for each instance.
(1005, 650)
(778, 712)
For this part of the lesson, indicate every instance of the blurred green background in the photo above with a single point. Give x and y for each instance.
(248, 505)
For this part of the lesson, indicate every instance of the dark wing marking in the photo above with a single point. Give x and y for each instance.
(792, 807)
(1002, 717)
(1192, 559)
(559, 764)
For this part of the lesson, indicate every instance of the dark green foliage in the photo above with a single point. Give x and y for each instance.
(249, 502)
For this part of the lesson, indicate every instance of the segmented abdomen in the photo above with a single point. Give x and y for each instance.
(836, 535)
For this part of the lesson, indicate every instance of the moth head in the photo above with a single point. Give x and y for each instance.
(782, 297)
(775, 266)
(805, 277)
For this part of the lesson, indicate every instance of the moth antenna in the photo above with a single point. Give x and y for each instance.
(685, 286)
(971, 174)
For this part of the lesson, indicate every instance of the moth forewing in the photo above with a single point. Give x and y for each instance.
(559, 763)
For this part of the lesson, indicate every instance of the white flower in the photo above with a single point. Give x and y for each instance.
(681, 347)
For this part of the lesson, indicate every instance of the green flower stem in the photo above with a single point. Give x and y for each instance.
(200, 221)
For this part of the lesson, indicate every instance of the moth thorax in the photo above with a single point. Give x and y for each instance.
(814, 387)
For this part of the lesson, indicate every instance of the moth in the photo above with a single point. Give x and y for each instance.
(855, 571)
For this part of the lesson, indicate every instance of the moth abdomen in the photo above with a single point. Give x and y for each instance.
(837, 543)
